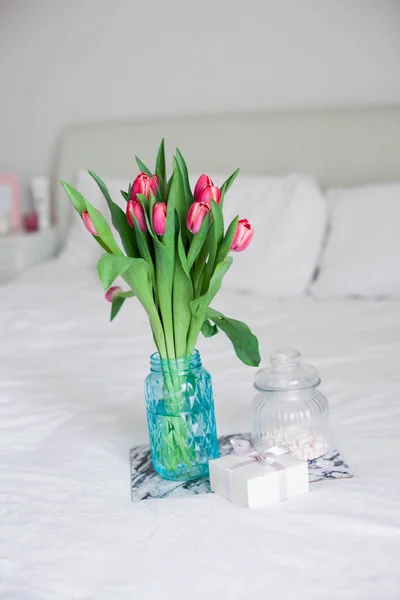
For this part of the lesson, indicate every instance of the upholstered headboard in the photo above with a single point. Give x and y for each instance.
(338, 146)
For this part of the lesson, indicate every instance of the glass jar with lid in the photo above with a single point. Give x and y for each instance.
(288, 408)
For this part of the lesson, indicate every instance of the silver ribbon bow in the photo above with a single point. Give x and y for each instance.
(244, 449)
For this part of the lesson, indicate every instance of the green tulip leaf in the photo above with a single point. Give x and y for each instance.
(125, 195)
(244, 341)
(76, 197)
(225, 245)
(136, 273)
(103, 229)
(218, 221)
(79, 203)
(142, 167)
(144, 249)
(182, 297)
(117, 303)
(176, 198)
(185, 178)
(200, 304)
(151, 203)
(160, 161)
(148, 210)
(118, 218)
(168, 188)
(208, 330)
(109, 267)
(226, 185)
(216, 233)
(182, 255)
(197, 241)
(165, 267)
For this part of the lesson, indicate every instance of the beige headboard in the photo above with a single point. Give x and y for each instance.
(338, 146)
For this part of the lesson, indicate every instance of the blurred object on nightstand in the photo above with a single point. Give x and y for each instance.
(31, 222)
(5, 225)
(10, 216)
(40, 191)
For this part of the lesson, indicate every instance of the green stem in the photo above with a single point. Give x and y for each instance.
(182, 297)
(164, 280)
(194, 332)
(176, 439)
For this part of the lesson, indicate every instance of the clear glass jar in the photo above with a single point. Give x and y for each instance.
(289, 409)
(180, 417)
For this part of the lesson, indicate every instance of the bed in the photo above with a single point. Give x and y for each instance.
(71, 402)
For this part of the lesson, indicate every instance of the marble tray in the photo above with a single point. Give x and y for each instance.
(146, 484)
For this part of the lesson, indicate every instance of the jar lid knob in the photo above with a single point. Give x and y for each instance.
(285, 358)
(286, 372)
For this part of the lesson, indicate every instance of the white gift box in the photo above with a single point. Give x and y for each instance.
(253, 484)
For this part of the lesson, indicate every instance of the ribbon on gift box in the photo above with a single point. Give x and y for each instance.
(244, 449)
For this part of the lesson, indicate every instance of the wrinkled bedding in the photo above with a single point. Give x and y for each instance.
(71, 406)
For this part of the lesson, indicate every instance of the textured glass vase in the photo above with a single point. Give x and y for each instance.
(180, 417)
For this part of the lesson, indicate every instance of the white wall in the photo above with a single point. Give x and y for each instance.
(66, 61)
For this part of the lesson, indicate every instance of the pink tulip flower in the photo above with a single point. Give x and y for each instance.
(202, 181)
(243, 236)
(196, 215)
(111, 292)
(143, 184)
(134, 207)
(159, 217)
(209, 192)
(87, 221)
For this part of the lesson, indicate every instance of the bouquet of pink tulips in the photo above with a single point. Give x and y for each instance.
(173, 255)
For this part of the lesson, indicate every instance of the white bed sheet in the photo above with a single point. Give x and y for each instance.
(71, 406)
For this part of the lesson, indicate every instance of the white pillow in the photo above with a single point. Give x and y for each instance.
(289, 218)
(362, 255)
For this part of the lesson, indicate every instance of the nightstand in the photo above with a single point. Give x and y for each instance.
(20, 251)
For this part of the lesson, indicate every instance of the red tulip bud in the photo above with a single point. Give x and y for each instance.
(143, 184)
(134, 207)
(202, 181)
(209, 192)
(196, 215)
(243, 236)
(111, 292)
(87, 221)
(159, 217)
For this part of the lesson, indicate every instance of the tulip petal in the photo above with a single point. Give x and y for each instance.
(208, 193)
(159, 218)
(111, 292)
(143, 184)
(202, 181)
(243, 236)
(196, 215)
(134, 208)
(87, 221)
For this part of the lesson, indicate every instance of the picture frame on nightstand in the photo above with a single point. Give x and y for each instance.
(10, 212)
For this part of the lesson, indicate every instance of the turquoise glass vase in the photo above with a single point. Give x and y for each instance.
(180, 417)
